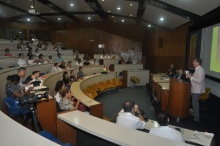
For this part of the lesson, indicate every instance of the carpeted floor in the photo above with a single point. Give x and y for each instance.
(209, 118)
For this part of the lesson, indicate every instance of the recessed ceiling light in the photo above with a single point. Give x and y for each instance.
(87, 9)
(109, 11)
(59, 18)
(131, 4)
(18, 13)
(8, 1)
(28, 19)
(114, 21)
(20, 32)
(118, 8)
(89, 17)
(161, 19)
(113, 16)
(131, 15)
(32, 6)
(103, 0)
(122, 20)
(71, 5)
(149, 25)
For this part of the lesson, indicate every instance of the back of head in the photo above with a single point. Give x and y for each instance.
(162, 118)
(13, 78)
(128, 105)
(58, 86)
(63, 92)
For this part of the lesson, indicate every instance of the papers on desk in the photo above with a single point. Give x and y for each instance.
(202, 138)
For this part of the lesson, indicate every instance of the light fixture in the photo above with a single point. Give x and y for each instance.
(131, 15)
(131, 4)
(115, 21)
(113, 16)
(8, 1)
(109, 11)
(118, 8)
(122, 20)
(103, 0)
(71, 5)
(32, 7)
(20, 32)
(89, 18)
(59, 18)
(87, 9)
(161, 19)
(28, 19)
(18, 13)
(149, 25)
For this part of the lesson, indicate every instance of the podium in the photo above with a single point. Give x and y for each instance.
(179, 101)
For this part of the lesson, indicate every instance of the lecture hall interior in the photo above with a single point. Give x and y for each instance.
(109, 72)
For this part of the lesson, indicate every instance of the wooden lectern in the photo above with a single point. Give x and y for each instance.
(179, 101)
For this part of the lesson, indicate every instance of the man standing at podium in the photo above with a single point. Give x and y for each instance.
(198, 86)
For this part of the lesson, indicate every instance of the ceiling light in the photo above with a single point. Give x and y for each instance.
(18, 13)
(20, 32)
(87, 9)
(71, 5)
(131, 15)
(8, 1)
(28, 19)
(161, 19)
(31, 7)
(114, 21)
(118, 8)
(103, 0)
(131, 4)
(113, 16)
(149, 25)
(59, 19)
(122, 20)
(109, 11)
(89, 17)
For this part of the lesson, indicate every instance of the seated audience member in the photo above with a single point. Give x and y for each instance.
(128, 118)
(86, 57)
(181, 76)
(21, 74)
(21, 62)
(67, 100)
(35, 75)
(50, 59)
(31, 60)
(56, 68)
(121, 61)
(79, 63)
(7, 52)
(37, 53)
(69, 65)
(66, 79)
(77, 57)
(164, 130)
(63, 65)
(171, 71)
(27, 46)
(80, 74)
(72, 76)
(95, 62)
(41, 58)
(29, 51)
(59, 58)
(59, 86)
(129, 61)
(86, 63)
(12, 88)
(19, 46)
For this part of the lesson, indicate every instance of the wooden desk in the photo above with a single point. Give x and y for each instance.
(156, 80)
(163, 94)
(75, 121)
(14, 134)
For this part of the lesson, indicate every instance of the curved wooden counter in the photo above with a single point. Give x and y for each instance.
(96, 108)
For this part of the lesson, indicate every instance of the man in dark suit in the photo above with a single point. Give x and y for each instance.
(198, 86)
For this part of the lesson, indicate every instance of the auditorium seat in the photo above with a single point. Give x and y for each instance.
(103, 84)
(205, 95)
(110, 84)
(135, 80)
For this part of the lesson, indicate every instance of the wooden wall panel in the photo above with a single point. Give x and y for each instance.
(158, 59)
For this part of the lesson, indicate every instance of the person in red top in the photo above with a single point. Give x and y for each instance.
(7, 52)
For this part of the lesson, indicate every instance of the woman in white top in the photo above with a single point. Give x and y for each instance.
(31, 60)
(56, 68)
(69, 65)
(37, 52)
(59, 85)
(21, 62)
